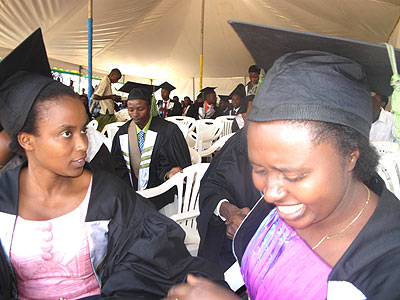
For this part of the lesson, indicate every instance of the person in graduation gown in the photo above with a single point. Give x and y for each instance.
(68, 231)
(241, 119)
(335, 230)
(206, 109)
(238, 96)
(169, 107)
(227, 194)
(148, 161)
(254, 75)
(224, 105)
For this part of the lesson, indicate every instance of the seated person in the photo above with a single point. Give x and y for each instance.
(227, 194)
(241, 119)
(148, 150)
(254, 75)
(224, 105)
(334, 232)
(383, 128)
(206, 109)
(238, 96)
(69, 231)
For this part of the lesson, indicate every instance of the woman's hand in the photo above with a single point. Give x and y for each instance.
(198, 288)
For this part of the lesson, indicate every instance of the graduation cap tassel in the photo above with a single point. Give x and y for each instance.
(395, 83)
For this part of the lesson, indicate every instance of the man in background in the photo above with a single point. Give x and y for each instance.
(104, 93)
(254, 75)
(383, 128)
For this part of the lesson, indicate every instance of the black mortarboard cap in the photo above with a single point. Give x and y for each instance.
(239, 90)
(266, 44)
(167, 86)
(138, 90)
(24, 73)
(207, 90)
(224, 98)
(329, 85)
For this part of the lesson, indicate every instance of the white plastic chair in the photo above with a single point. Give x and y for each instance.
(122, 115)
(111, 129)
(227, 121)
(207, 131)
(216, 146)
(188, 121)
(194, 156)
(385, 147)
(94, 123)
(389, 170)
(185, 208)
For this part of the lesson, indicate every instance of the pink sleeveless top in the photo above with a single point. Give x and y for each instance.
(51, 258)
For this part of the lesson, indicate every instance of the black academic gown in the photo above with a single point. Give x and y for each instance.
(170, 150)
(228, 177)
(136, 252)
(194, 111)
(176, 110)
(371, 263)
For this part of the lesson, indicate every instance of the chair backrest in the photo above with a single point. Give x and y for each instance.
(216, 146)
(122, 115)
(389, 170)
(227, 121)
(207, 131)
(194, 156)
(186, 203)
(94, 123)
(111, 129)
(385, 147)
(188, 121)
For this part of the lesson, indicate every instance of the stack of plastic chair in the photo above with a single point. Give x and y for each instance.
(227, 121)
(385, 147)
(94, 124)
(389, 170)
(194, 156)
(122, 115)
(111, 129)
(216, 146)
(185, 208)
(186, 125)
(206, 132)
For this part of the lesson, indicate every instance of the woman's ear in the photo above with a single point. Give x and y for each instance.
(26, 141)
(354, 155)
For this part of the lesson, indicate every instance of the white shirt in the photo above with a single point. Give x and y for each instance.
(383, 129)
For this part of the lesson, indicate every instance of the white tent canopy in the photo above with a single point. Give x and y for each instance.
(160, 39)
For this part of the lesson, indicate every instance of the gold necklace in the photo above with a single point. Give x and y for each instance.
(332, 236)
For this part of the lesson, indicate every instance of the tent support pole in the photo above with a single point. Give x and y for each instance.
(194, 90)
(90, 44)
(202, 43)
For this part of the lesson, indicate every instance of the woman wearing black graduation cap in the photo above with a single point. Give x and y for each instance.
(68, 231)
(335, 231)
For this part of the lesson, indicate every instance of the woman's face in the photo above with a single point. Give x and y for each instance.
(60, 143)
(306, 183)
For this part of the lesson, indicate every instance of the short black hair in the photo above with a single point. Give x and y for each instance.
(52, 92)
(345, 140)
(254, 69)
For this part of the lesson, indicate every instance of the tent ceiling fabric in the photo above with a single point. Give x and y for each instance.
(161, 38)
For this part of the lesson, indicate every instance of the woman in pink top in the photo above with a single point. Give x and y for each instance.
(68, 231)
